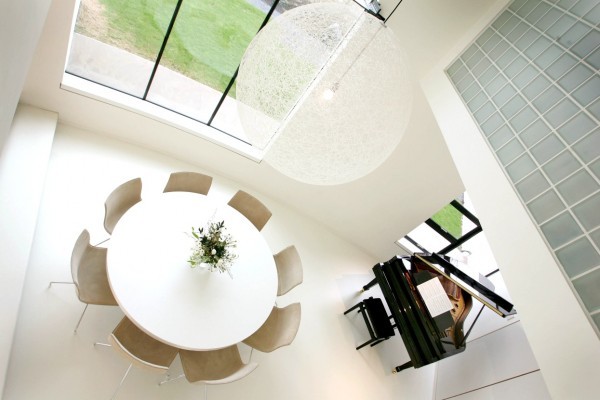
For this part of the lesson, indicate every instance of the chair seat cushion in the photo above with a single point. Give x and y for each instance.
(379, 318)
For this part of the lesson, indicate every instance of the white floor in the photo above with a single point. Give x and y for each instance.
(48, 361)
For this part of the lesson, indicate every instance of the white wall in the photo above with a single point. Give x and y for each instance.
(527, 387)
(562, 339)
(21, 24)
(23, 164)
(502, 356)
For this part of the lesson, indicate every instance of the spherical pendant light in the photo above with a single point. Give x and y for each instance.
(324, 90)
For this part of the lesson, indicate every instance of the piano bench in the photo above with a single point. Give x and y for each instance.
(376, 319)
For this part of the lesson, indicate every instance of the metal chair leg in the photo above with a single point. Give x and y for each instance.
(105, 240)
(364, 344)
(80, 318)
(86, 306)
(62, 283)
(205, 391)
(122, 380)
(353, 308)
(170, 380)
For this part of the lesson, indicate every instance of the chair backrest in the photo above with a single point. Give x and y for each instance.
(289, 269)
(82, 244)
(279, 329)
(251, 208)
(215, 366)
(88, 270)
(140, 349)
(188, 182)
(120, 200)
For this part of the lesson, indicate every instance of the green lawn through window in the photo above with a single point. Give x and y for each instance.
(450, 219)
(207, 42)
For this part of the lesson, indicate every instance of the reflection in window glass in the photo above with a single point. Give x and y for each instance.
(116, 43)
(119, 44)
(202, 54)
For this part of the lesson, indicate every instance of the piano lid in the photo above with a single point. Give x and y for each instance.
(485, 295)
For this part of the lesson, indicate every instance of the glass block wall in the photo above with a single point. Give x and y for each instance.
(531, 82)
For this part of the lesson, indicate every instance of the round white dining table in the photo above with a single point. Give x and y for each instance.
(189, 308)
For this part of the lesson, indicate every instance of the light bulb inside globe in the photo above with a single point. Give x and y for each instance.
(329, 92)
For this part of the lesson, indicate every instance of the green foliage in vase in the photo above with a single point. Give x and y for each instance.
(213, 246)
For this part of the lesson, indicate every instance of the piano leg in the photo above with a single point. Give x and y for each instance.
(399, 368)
(369, 285)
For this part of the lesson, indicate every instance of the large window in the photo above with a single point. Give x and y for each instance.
(181, 55)
(446, 232)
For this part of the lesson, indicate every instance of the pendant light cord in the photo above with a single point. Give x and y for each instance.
(392, 13)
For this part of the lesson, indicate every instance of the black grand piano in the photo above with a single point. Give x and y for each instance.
(430, 338)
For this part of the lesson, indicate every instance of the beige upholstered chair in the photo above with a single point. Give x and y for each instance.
(278, 330)
(251, 208)
(139, 349)
(120, 200)
(188, 182)
(214, 367)
(88, 270)
(289, 269)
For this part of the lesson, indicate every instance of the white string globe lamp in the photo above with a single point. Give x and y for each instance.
(324, 90)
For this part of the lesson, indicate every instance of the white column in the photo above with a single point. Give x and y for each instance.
(23, 163)
(21, 24)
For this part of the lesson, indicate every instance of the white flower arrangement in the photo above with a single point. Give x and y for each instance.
(213, 247)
